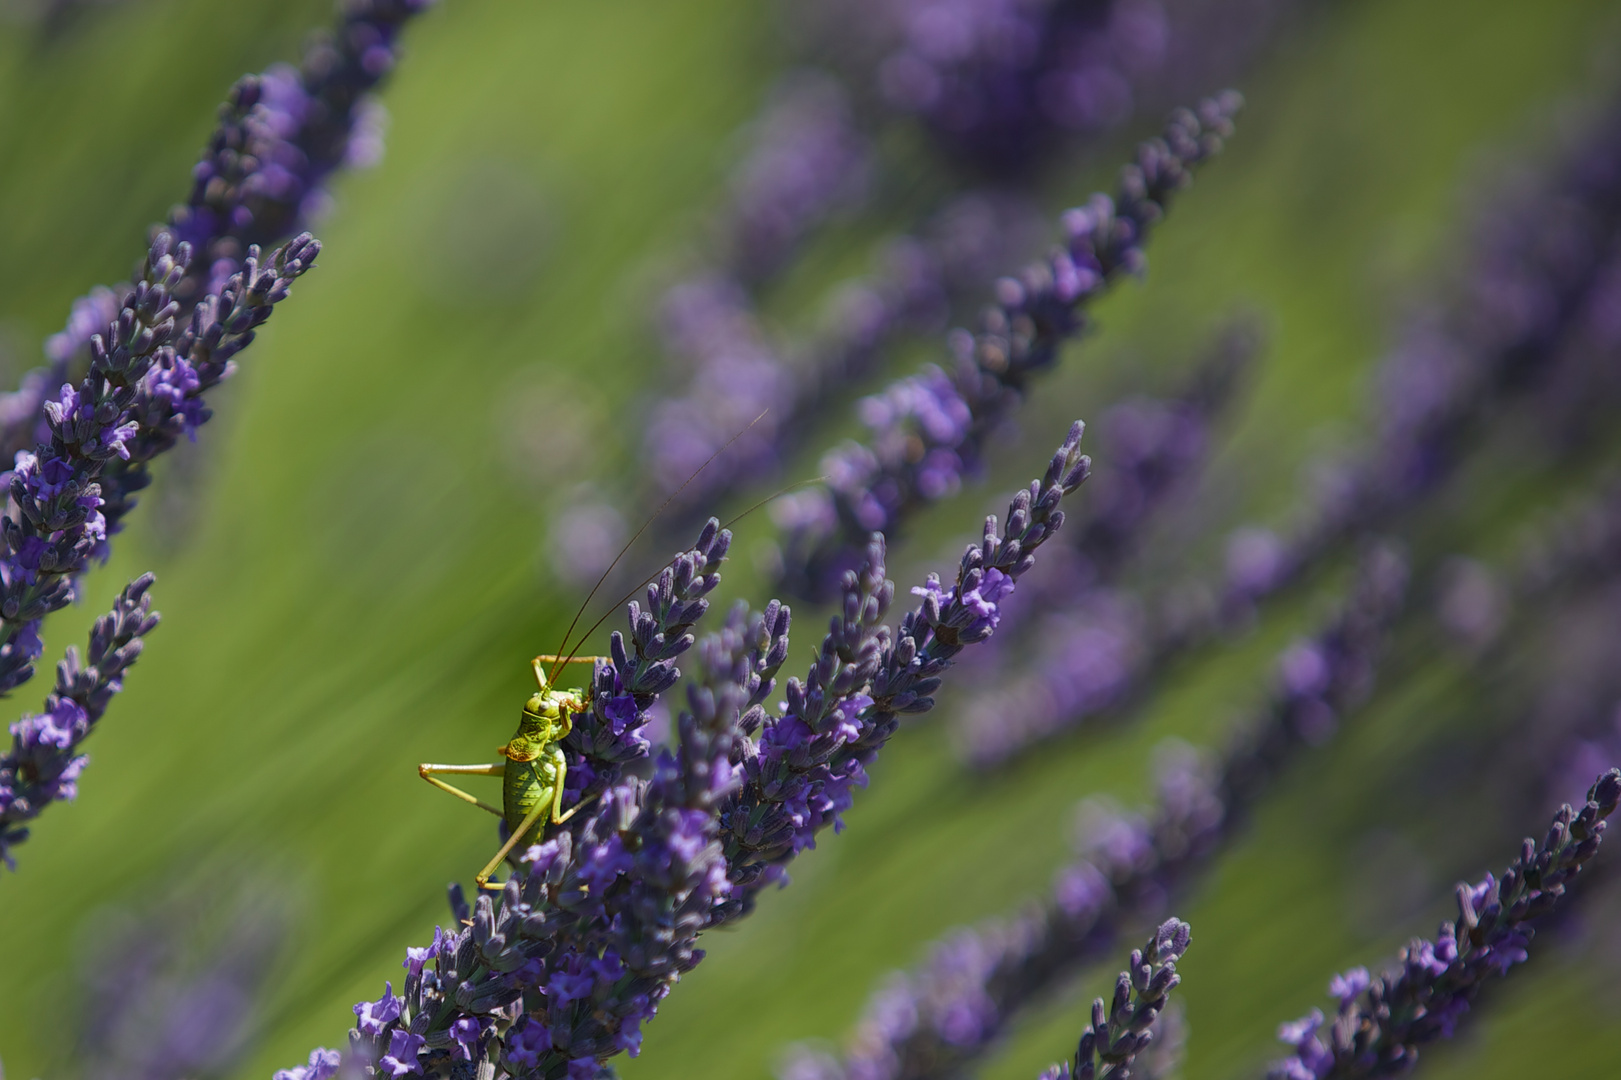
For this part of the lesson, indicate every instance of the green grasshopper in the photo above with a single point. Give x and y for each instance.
(532, 775)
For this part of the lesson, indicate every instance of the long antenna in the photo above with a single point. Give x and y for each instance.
(775, 495)
(638, 535)
(649, 579)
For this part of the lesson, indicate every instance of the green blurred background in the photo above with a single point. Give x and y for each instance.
(351, 564)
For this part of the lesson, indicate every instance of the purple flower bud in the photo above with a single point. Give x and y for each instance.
(1347, 986)
(323, 1066)
(401, 1059)
(373, 1016)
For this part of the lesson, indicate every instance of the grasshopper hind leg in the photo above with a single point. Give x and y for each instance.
(551, 809)
(427, 772)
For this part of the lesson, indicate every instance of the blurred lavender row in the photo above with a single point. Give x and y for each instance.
(927, 431)
(1081, 628)
(1531, 330)
(1004, 86)
(998, 84)
(941, 1019)
(741, 368)
(176, 990)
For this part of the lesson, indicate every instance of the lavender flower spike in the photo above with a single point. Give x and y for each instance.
(941, 1018)
(559, 973)
(801, 774)
(562, 968)
(260, 180)
(1110, 1046)
(44, 764)
(927, 431)
(57, 523)
(140, 391)
(1382, 1021)
(169, 402)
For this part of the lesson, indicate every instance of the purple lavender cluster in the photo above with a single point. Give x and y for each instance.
(143, 389)
(260, 180)
(1382, 1021)
(927, 431)
(999, 82)
(1525, 331)
(942, 1018)
(1109, 1047)
(44, 762)
(176, 990)
(801, 773)
(283, 133)
(1091, 637)
(559, 972)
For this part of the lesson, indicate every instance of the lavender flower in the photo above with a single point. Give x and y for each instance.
(746, 379)
(44, 764)
(806, 163)
(938, 1020)
(801, 773)
(1382, 1021)
(1109, 1048)
(623, 690)
(141, 391)
(173, 992)
(58, 524)
(1537, 296)
(996, 80)
(169, 403)
(599, 921)
(1093, 637)
(284, 132)
(261, 180)
(927, 430)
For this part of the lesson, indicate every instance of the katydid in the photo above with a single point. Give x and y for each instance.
(533, 773)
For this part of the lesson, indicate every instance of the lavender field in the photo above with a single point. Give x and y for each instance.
(1329, 621)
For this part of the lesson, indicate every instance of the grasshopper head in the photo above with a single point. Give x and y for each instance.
(547, 715)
